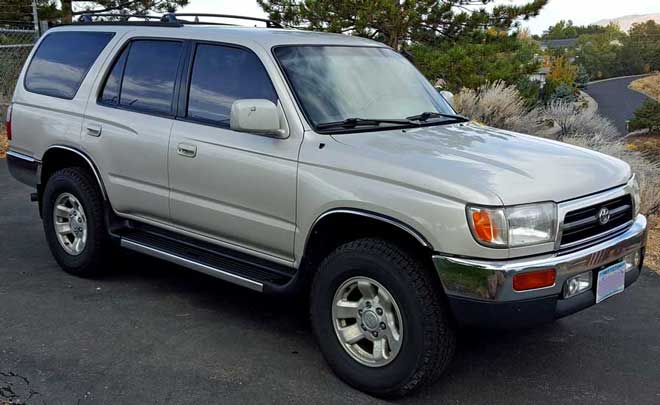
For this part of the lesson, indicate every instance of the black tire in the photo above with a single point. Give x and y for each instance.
(429, 340)
(81, 184)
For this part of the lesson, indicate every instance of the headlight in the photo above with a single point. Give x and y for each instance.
(519, 225)
(637, 200)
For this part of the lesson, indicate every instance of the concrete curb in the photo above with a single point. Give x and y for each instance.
(592, 105)
(618, 77)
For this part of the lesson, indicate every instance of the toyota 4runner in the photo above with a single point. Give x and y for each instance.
(288, 161)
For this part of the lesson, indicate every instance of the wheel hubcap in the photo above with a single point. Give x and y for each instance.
(367, 321)
(70, 224)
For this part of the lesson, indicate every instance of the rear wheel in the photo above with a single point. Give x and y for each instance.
(380, 320)
(73, 219)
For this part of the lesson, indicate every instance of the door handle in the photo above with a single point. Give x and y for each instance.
(94, 129)
(186, 150)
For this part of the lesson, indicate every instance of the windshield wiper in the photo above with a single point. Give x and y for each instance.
(425, 116)
(349, 123)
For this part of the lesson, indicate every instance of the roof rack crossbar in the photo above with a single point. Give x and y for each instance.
(172, 17)
(124, 19)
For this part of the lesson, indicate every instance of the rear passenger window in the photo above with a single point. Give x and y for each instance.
(62, 61)
(221, 75)
(110, 93)
(143, 77)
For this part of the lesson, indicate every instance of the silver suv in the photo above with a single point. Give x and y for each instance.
(288, 161)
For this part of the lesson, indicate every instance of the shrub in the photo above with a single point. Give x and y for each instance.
(573, 120)
(562, 71)
(498, 105)
(529, 90)
(563, 92)
(647, 117)
(581, 76)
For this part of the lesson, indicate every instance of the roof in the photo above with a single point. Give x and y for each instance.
(266, 37)
(559, 43)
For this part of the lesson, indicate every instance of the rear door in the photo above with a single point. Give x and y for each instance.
(128, 122)
(237, 188)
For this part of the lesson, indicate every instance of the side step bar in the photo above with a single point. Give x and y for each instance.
(228, 265)
(192, 264)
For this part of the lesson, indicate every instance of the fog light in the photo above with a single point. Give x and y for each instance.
(577, 284)
(632, 260)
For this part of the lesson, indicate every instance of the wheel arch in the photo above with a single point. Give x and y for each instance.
(59, 156)
(340, 225)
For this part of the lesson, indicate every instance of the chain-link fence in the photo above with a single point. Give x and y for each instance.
(19, 30)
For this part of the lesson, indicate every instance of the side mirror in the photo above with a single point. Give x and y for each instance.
(449, 96)
(257, 116)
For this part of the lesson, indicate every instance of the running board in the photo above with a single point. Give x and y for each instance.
(191, 264)
(227, 265)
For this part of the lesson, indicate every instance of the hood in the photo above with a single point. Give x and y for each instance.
(483, 165)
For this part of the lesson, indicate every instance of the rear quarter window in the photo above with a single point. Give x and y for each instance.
(62, 61)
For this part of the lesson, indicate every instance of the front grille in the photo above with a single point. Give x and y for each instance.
(583, 225)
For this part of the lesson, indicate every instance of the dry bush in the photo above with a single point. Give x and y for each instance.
(4, 143)
(574, 120)
(646, 170)
(649, 85)
(499, 106)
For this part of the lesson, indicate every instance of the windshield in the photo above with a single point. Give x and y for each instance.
(336, 83)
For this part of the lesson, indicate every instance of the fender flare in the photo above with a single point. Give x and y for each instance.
(372, 215)
(86, 158)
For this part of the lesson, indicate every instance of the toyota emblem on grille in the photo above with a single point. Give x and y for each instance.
(603, 216)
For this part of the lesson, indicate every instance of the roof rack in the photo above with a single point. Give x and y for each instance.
(166, 20)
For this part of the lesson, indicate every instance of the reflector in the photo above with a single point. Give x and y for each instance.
(534, 279)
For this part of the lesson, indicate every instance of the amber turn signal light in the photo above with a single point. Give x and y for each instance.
(534, 279)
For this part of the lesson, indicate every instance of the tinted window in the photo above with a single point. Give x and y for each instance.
(221, 75)
(149, 75)
(62, 61)
(110, 93)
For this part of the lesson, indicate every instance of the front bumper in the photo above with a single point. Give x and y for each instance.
(481, 292)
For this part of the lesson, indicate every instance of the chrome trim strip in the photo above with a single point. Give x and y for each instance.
(22, 156)
(376, 217)
(191, 264)
(492, 280)
(23, 168)
(89, 162)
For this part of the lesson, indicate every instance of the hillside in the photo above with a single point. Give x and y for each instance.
(627, 21)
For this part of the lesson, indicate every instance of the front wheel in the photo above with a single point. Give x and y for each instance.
(380, 320)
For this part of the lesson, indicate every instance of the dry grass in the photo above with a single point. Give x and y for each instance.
(649, 85)
(498, 105)
(652, 259)
(4, 143)
(574, 120)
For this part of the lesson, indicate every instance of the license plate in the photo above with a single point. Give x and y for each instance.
(611, 281)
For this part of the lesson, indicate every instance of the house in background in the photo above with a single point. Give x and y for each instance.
(558, 44)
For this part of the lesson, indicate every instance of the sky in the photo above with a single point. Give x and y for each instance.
(582, 12)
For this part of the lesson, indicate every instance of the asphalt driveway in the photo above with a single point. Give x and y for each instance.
(615, 100)
(155, 333)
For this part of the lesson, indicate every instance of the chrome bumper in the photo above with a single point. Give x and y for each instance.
(492, 281)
